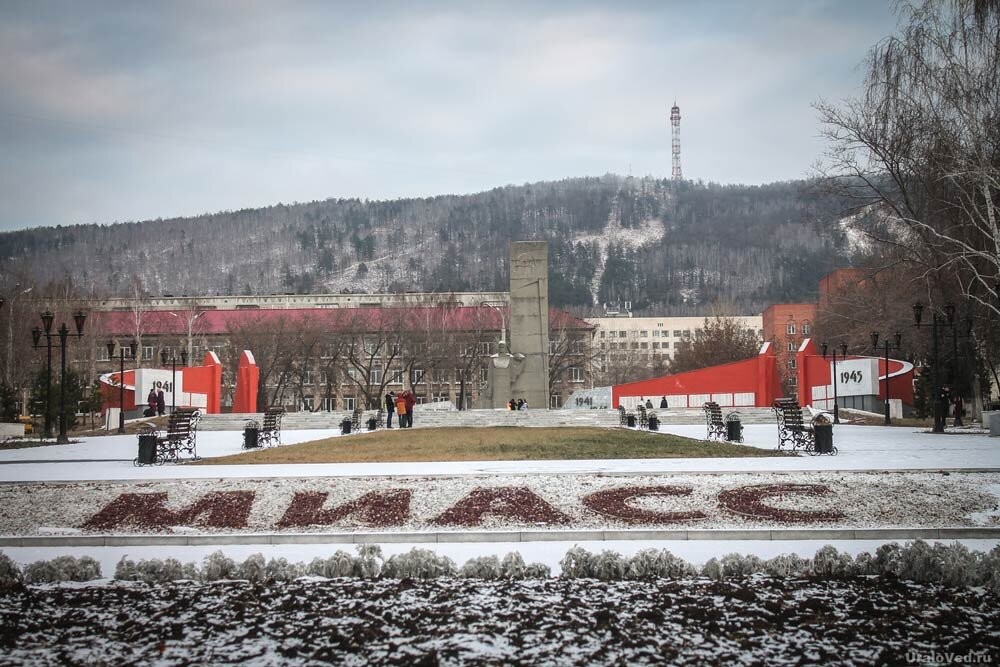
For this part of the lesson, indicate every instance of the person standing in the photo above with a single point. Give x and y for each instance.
(161, 403)
(151, 402)
(649, 404)
(390, 407)
(401, 409)
(410, 402)
(663, 403)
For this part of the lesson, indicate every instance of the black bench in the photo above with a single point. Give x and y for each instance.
(625, 417)
(793, 431)
(270, 430)
(357, 417)
(179, 438)
(713, 419)
(643, 417)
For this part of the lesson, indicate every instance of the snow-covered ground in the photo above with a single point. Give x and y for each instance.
(860, 448)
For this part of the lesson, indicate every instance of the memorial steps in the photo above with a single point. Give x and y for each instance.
(480, 418)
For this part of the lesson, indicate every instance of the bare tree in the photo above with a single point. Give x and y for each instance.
(918, 151)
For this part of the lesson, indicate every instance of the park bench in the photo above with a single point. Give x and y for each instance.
(357, 418)
(625, 417)
(713, 419)
(180, 437)
(270, 430)
(793, 430)
(643, 417)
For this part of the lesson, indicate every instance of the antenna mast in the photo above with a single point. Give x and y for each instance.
(675, 122)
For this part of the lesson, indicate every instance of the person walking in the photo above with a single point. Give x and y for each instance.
(390, 407)
(151, 402)
(161, 403)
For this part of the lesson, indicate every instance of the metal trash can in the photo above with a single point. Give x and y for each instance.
(251, 435)
(630, 421)
(734, 428)
(824, 438)
(654, 424)
(147, 450)
(372, 424)
(345, 427)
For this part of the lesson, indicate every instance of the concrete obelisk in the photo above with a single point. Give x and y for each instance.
(529, 321)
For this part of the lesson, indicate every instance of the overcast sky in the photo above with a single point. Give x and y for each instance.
(137, 110)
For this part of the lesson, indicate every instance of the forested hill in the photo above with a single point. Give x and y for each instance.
(666, 247)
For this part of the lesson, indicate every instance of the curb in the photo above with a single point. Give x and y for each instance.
(957, 533)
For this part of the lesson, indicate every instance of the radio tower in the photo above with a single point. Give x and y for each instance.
(675, 122)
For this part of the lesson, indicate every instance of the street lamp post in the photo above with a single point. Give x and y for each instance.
(936, 398)
(843, 355)
(898, 340)
(63, 332)
(172, 360)
(121, 379)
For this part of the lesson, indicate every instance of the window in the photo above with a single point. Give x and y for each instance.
(575, 374)
(553, 346)
(666, 344)
(643, 345)
(621, 334)
(483, 375)
(656, 333)
(602, 333)
(147, 352)
(791, 329)
(604, 346)
(635, 345)
(791, 363)
(485, 347)
(307, 378)
(375, 376)
(659, 324)
(324, 378)
(656, 345)
(102, 353)
(791, 346)
(578, 346)
(633, 334)
(687, 333)
(677, 333)
(397, 377)
(330, 404)
(307, 403)
(806, 328)
(643, 334)
(349, 403)
(416, 376)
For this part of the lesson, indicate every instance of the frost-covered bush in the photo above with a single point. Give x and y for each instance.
(254, 569)
(63, 568)
(864, 563)
(828, 562)
(10, 573)
(888, 559)
(988, 570)
(576, 563)
(537, 571)
(340, 564)
(418, 564)
(658, 563)
(712, 569)
(786, 565)
(218, 566)
(512, 566)
(368, 563)
(279, 569)
(484, 567)
(155, 571)
(740, 565)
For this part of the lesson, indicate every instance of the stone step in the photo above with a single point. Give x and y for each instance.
(481, 418)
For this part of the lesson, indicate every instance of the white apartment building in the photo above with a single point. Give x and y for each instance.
(654, 338)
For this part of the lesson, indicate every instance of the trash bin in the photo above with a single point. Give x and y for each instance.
(824, 438)
(345, 427)
(654, 424)
(630, 421)
(372, 424)
(995, 425)
(147, 449)
(734, 428)
(251, 435)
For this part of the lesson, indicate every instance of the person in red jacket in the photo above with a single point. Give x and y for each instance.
(410, 402)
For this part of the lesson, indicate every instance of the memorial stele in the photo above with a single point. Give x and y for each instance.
(522, 370)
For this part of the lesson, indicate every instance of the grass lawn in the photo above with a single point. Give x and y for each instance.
(501, 443)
